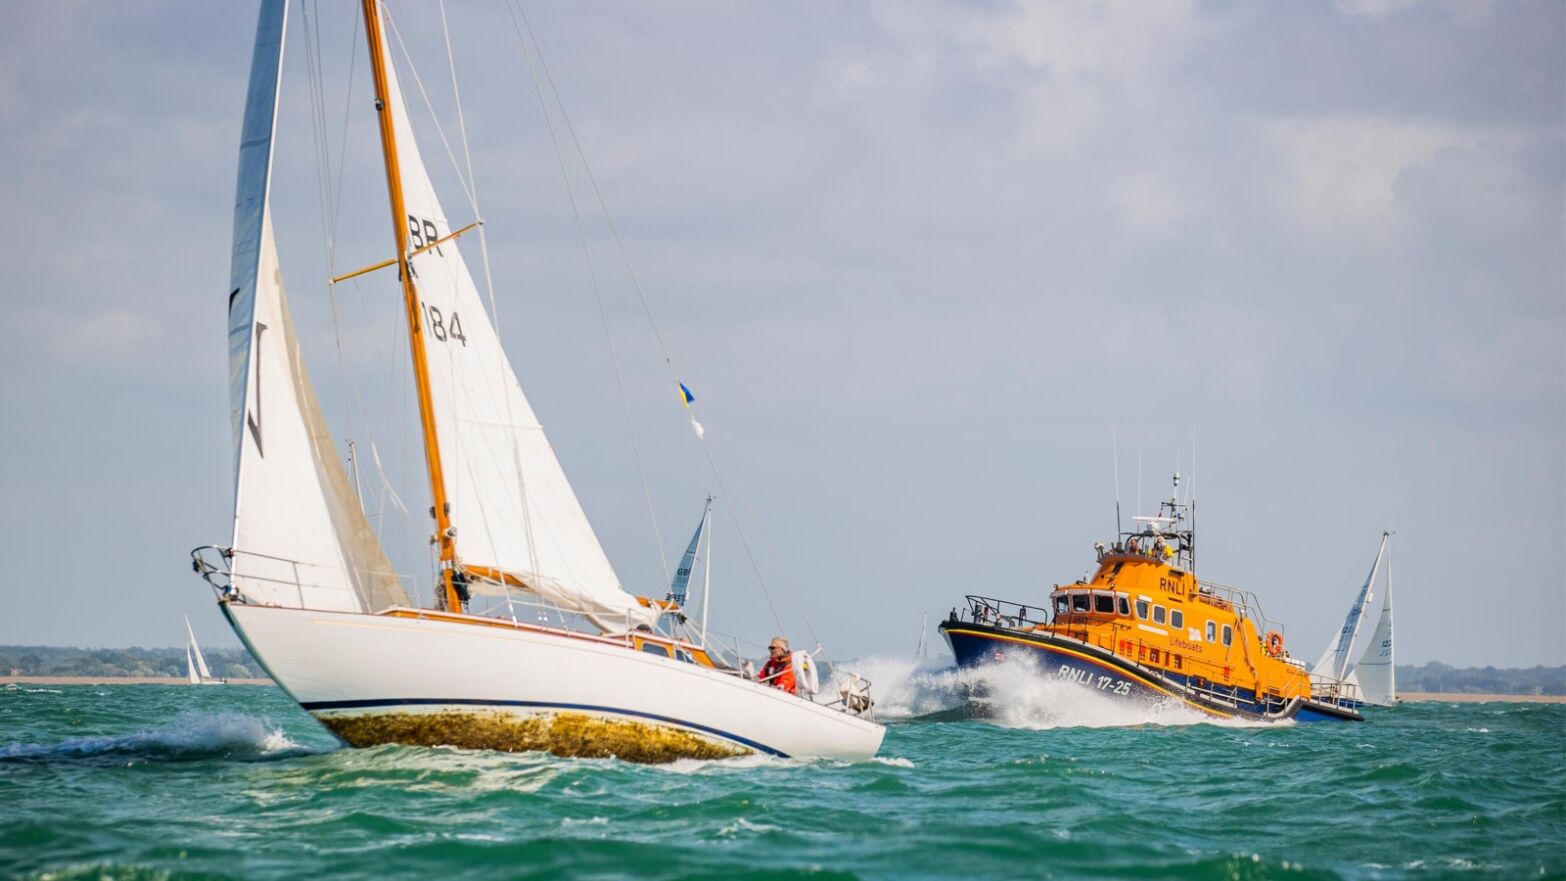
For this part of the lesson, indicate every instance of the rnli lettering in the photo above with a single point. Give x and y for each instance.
(1179, 643)
(1089, 680)
(1172, 586)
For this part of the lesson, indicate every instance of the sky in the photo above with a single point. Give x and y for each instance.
(929, 268)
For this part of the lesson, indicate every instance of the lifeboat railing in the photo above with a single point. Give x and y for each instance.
(1242, 601)
(991, 611)
(1334, 691)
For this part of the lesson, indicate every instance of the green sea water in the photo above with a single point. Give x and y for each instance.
(144, 781)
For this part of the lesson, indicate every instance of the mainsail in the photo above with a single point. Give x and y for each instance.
(517, 518)
(300, 538)
(1335, 661)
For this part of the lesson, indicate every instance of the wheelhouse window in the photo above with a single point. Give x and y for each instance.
(1158, 614)
(1125, 605)
(1212, 632)
(653, 648)
(1103, 602)
(1062, 604)
(1141, 609)
(1176, 619)
(1228, 635)
(1079, 602)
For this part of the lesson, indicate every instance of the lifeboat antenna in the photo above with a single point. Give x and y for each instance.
(1114, 443)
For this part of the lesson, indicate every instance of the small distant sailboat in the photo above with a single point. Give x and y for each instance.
(679, 587)
(196, 671)
(1372, 679)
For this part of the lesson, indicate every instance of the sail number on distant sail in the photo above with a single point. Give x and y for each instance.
(423, 233)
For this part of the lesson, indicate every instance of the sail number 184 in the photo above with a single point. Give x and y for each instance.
(443, 327)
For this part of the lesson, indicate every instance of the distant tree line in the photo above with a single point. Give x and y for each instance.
(45, 660)
(1437, 677)
(236, 663)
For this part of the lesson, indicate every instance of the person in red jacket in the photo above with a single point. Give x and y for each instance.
(778, 672)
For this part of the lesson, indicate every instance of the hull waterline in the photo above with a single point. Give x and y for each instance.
(377, 679)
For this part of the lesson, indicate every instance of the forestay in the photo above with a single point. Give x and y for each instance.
(511, 504)
(300, 538)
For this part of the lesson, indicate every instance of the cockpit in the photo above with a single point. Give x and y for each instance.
(1090, 602)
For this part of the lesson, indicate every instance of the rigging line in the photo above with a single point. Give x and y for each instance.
(739, 530)
(323, 177)
(788, 585)
(434, 118)
(489, 288)
(598, 194)
(342, 155)
(603, 314)
(330, 203)
(652, 321)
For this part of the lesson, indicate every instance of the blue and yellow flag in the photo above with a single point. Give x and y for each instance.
(685, 394)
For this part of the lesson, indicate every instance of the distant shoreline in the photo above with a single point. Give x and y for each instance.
(1409, 696)
(116, 680)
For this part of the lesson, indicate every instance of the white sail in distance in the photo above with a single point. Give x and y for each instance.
(1335, 662)
(197, 663)
(1376, 671)
(300, 538)
(191, 675)
(513, 509)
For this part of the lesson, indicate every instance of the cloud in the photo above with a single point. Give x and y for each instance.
(109, 337)
(1339, 177)
(1521, 361)
(1153, 200)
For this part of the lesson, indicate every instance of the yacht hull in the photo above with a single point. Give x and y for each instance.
(1105, 673)
(481, 684)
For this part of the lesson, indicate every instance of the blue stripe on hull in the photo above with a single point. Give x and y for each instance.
(974, 651)
(389, 703)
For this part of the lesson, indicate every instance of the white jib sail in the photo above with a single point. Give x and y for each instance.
(1335, 662)
(511, 504)
(300, 538)
(1376, 670)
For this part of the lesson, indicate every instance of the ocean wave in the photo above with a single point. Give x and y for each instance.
(189, 736)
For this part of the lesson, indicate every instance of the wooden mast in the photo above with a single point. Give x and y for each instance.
(444, 532)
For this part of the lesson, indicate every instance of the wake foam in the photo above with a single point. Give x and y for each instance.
(1013, 693)
(188, 737)
(903, 688)
(1016, 693)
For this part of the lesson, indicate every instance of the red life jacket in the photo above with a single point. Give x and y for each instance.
(784, 674)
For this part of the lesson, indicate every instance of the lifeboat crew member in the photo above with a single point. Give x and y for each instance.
(778, 672)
